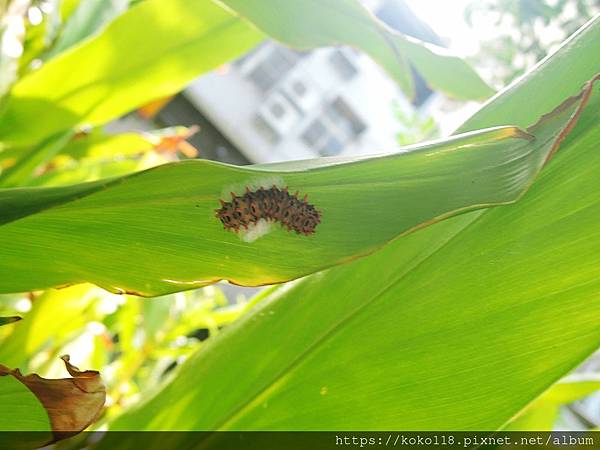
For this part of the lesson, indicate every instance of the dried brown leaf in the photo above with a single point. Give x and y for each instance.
(72, 403)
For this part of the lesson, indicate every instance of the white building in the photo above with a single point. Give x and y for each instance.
(278, 104)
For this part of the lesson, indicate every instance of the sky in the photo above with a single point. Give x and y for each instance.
(445, 17)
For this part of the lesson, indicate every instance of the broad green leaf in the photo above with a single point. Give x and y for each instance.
(20, 409)
(156, 232)
(308, 24)
(87, 18)
(458, 326)
(149, 52)
(68, 7)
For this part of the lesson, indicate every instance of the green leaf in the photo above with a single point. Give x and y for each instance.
(149, 52)
(541, 414)
(458, 326)
(571, 388)
(21, 410)
(424, 334)
(97, 155)
(99, 145)
(316, 23)
(90, 170)
(156, 232)
(29, 162)
(88, 17)
(55, 314)
(556, 77)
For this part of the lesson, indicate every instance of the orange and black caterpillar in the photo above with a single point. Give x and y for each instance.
(273, 205)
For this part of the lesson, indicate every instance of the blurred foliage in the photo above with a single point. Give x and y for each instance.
(544, 411)
(529, 30)
(416, 126)
(12, 35)
(135, 342)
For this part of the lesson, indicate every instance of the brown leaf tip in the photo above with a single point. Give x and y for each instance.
(72, 404)
(75, 372)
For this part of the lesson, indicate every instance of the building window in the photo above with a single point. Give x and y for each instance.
(343, 66)
(315, 133)
(266, 130)
(278, 62)
(342, 115)
(300, 92)
(299, 88)
(277, 110)
(262, 78)
(331, 147)
(338, 126)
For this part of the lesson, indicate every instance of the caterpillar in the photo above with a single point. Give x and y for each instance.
(272, 205)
